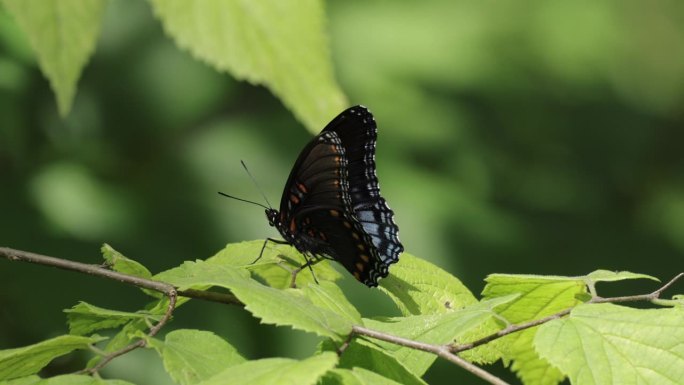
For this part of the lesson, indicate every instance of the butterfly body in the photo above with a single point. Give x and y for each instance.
(331, 205)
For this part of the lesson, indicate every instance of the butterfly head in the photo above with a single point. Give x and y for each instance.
(272, 215)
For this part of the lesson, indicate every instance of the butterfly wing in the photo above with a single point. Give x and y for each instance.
(357, 131)
(316, 213)
(331, 204)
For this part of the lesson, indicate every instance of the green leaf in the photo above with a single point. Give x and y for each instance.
(276, 371)
(603, 344)
(364, 354)
(273, 306)
(121, 339)
(281, 44)
(118, 262)
(275, 265)
(191, 356)
(29, 380)
(85, 318)
(75, 379)
(613, 276)
(356, 376)
(291, 307)
(437, 329)
(27, 360)
(201, 275)
(540, 296)
(419, 287)
(63, 35)
(246, 254)
(327, 295)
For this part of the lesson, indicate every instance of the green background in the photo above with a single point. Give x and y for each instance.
(515, 137)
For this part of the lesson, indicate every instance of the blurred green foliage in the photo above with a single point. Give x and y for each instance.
(515, 137)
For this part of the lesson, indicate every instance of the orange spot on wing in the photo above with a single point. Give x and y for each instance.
(357, 275)
(359, 266)
(293, 226)
(364, 257)
(294, 199)
(334, 213)
(301, 187)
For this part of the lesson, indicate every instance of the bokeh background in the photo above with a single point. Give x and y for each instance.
(515, 137)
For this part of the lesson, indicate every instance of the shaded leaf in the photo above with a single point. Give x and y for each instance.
(275, 265)
(612, 276)
(276, 371)
(609, 344)
(29, 380)
(329, 296)
(75, 379)
(191, 356)
(118, 262)
(281, 44)
(27, 360)
(356, 376)
(63, 34)
(85, 318)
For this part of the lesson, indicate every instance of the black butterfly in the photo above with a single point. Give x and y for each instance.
(331, 205)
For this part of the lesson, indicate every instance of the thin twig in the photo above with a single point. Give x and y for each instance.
(171, 294)
(507, 330)
(447, 352)
(439, 350)
(96, 270)
(456, 348)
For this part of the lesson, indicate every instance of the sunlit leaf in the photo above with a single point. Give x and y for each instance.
(604, 344)
(191, 356)
(281, 44)
(438, 329)
(419, 287)
(540, 296)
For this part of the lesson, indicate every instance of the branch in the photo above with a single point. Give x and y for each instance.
(448, 352)
(99, 271)
(165, 288)
(456, 348)
(439, 350)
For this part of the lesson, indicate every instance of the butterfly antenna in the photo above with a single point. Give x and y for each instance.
(243, 200)
(256, 184)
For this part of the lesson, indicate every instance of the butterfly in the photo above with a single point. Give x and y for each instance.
(331, 205)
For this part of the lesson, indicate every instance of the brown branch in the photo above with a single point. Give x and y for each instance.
(172, 295)
(447, 352)
(165, 288)
(439, 350)
(99, 271)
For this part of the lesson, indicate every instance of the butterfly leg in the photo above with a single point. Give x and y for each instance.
(310, 261)
(261, 253)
